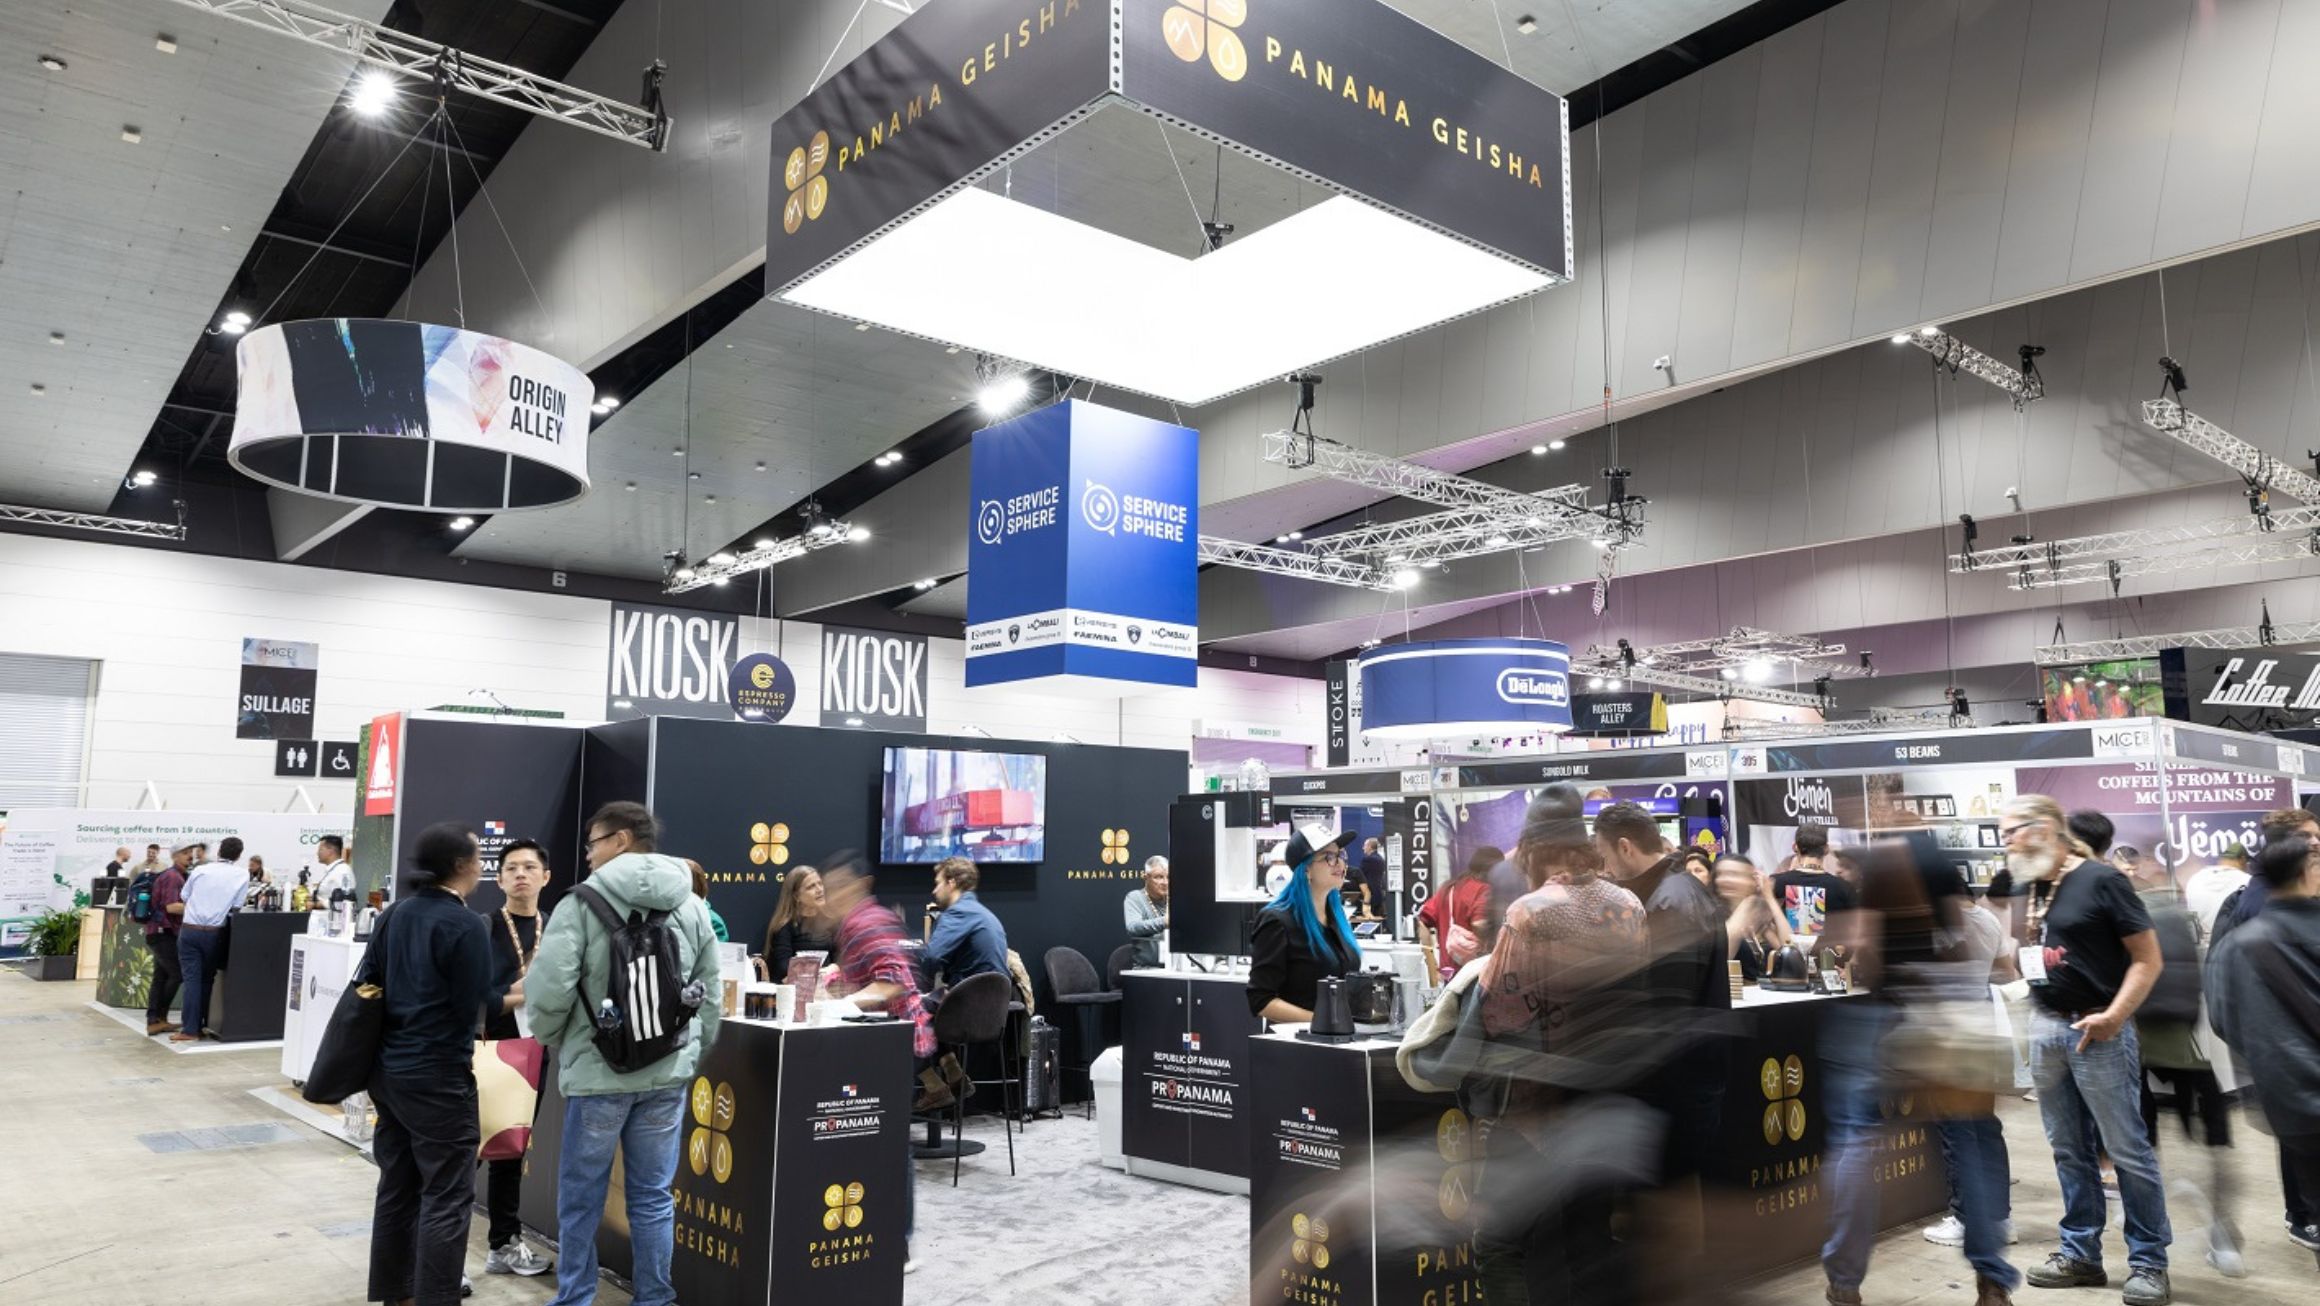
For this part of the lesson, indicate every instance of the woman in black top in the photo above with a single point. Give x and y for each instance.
(1303, 934)
(798, 924)
(432, 957)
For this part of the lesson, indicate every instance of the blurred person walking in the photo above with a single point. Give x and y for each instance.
(2168, 1027)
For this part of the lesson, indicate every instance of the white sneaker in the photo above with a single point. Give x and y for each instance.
(1949, 1231)
(516, 1258)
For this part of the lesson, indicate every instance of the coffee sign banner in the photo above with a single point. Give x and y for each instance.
(2251, 689)
(670, 662)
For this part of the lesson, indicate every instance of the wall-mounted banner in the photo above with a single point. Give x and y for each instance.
(277, 690)
(406, 415)
(1441, 688)
(1576, 768)
(1618, 714)
(670, 662)
(1340, 710)
(2252, 689)
(1932, 750)
(763, 688)
(874, 679)
(1083, 545)
(386, 765)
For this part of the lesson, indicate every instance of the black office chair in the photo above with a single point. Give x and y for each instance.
(1073, 978)
(975, 1011)
(1123, 959)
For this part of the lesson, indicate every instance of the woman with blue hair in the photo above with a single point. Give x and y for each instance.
(1303, 936)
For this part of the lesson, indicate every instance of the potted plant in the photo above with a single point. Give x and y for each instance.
(54, 942)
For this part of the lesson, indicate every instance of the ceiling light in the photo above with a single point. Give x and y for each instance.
(1526, 24)
(1901, 339)
(39, 389)
(720, 559)
(818, 529)
(1280, 539)
(1729, 674)
(1537, 449)
(861, 326)
(684, 573)
(622, 703)
(857, 535)
(1594, 682)
(1600, 543)
(1616, 684)
(926, 584)
(1296, 535)
(141, 479)
(631, 487)
(1499, 541)
(708, 498)
(1393, 558)
(131, 133)
(692, 476)
(1534, 522)
(52, 63)
(1002, 393)
(718, 580)
(761, 466)
(678, 452)
(1206, 327)
(1405, 578)
(1758, 670)
(235, 322)
(462, 523)
(1556, 445)
(165, 43)
(761, 543)
(373, 93)
(853, 720)
(1929, 331)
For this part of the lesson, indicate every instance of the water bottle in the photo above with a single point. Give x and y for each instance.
(607, 1016)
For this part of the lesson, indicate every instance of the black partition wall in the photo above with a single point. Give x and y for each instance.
(750, 801)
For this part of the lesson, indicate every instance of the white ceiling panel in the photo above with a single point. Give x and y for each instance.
(1608, 35)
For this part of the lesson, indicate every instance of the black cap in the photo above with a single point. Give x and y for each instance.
(1308, 840)
(1555, 817)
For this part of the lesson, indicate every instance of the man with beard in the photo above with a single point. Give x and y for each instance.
(2091, 956)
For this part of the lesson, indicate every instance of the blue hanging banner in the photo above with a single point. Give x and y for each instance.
(1457, 686)
(762, 688)
(1082, 552)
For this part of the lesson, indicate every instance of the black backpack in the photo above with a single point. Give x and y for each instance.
(141, 895)
(646, 1009)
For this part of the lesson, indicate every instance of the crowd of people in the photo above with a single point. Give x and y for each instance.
(1599, 961)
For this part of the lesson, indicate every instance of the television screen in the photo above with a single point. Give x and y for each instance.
(985, 807)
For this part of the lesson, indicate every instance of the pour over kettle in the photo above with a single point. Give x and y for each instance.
(1332, 1010)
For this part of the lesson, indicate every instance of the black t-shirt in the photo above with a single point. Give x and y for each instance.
(1809, 898)
(507, 966)
(2089, 917)
(1919, 896)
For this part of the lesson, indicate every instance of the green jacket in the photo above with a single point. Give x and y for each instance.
(574, 953)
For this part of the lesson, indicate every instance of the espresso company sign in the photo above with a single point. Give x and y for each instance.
(670, 662)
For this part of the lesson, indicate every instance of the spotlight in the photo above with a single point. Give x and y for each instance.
(1280, 539)
(462, 523)
(1499, 541)
(1003, 393)
(141, 479)
(1393, 558)
(1759, 670)
(819, 529)
(1729, 674)
(761, 543)
(1594, 682)
(889, 458)
(1538, 449)
(1296, 535)
(1555, 445)
(926, 584)
(52, 63)
(1929, 331)
(1901, 339)
(718, 580)
(1526, 24)
(720, 559)
(1405, 578)
(684, 573)
(235, 322)
(853, 720)
(1600, 543)
(1615, 685)
(372, 94)
(857, 534)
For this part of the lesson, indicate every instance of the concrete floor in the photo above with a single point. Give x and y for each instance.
(90, 1211)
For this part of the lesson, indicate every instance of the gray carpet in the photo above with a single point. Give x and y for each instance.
(1065, 1229)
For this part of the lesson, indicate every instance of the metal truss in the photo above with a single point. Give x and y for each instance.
(2148, 646)
(1287, 562)
(425, 61)
(1878, 722)
(2023, 382)
(2273, 548)
(1482, 511)
(1702, 685)
(89, 521)
(1736, 649)
(2053, 553)
(780, 551)
(2260, 469)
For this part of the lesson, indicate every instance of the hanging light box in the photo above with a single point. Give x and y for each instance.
(408, 415)
(1447, 687)
(995, 174)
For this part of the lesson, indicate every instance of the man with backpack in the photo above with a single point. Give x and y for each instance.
(621, 990)
(158, 900)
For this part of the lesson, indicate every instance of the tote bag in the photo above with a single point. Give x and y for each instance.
(349, 1053)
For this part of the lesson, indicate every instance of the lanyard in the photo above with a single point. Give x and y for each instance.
(2041, 903)
(515, 941)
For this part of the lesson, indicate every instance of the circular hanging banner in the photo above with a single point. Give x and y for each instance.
(408, 415)
(763, 688)
(1446, 687)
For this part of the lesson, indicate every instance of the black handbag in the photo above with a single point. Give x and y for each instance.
(349, 1052)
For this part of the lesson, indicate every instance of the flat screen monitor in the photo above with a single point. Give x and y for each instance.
(985, 807)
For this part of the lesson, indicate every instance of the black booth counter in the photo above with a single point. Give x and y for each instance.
(1185, 1077)
(791, 1170)
(247, 997)
(1361, 1188)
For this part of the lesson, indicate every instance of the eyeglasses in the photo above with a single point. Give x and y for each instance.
(599, 839)
(1332, 855)
(2006, 833)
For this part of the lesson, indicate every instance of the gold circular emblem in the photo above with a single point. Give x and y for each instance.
(1320, 1256)
(721, 1110)
(1795, 1120)
(721, 1157)
(793, 170)
(793, 213)
(817, 154)
(1297, 1250)
(1181, 28)
(854, 1193)
(817, 197)
(697, 1151)
(1299, 1226)
(760, 833)
(1768, 1079)
(701, 1099)
(1226, 55)
(853, 1217)
(1772, 1115)
(1793, 1074)
(1454, 1195)
(832, 1218)
(761, 676)
(833, 1196)
(1454, 1135)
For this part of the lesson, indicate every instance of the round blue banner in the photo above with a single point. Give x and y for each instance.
(1458, 686)
(763, 688)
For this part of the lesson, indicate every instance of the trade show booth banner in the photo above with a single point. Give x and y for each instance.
(506, 780)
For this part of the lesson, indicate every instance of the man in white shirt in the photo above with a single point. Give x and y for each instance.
(212, 891)
(337, 871)
(2204, 893)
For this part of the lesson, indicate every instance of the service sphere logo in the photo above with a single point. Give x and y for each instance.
(809, 190)
(990, 521)
(1196, 27)
(1101, 507)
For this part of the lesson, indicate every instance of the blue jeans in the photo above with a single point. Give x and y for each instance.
(197, 952)
(1974, 1150)
(1852, 1086)
(645, 1128)
(2101, 1084)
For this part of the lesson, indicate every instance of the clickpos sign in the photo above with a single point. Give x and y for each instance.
(763, 688)
(874, 679)
(670, 662)
(1083, 544)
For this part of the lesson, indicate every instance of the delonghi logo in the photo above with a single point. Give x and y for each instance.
(809, 190)
(1100, 507)
(1193, 28)
(1524, 685)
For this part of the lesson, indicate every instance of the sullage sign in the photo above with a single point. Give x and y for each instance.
(670, 662)
(1083, 545)
(873, 679)
(277, 690)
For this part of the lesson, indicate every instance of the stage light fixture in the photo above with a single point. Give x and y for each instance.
(52, 63)
(235, 322)
(1901, 339)
(1538, 449)
(141, 479)
(857, 535)
(372, 95)
(925, 584)
(462, 523)
(1557, 445)
(1000, 394)
(1405, 578)
(720, 559)
(1526, 25)
(1929, 331)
